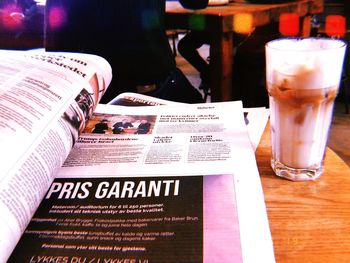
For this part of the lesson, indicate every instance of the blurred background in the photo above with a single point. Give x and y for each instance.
(22, 28)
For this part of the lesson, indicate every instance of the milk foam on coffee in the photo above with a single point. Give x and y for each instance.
(302, 93)
(308, 69)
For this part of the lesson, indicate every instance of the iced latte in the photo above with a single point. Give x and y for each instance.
(302, 81)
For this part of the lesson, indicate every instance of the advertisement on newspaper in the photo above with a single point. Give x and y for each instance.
(148, 219)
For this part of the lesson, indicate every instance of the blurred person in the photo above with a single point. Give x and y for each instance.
(131, 35)
(188, 48)
(248, 77)
(119, 126)
(101, 127)
(33, 32)
(144, 127)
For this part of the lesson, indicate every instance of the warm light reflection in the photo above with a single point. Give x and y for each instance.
(289, 24)
(243, 23)
(56, 17)
(335, 25)
(12, 17)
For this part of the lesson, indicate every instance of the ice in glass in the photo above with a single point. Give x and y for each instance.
(303, 77)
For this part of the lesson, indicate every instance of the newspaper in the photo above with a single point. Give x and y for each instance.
(255, 118)
(45, 101)
(183, 141)
(62, 204)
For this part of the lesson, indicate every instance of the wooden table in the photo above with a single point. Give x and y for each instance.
(309, 221)
(219, 20)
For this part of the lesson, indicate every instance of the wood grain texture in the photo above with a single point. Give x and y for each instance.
(309, 221)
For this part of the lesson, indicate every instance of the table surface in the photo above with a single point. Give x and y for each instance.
(262, 14)
(309, 221)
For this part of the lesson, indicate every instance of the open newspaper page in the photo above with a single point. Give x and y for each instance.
(255, 118)
(176, 183)
(46, 100)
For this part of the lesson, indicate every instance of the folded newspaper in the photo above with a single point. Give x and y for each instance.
(109, 183)
(255, 118)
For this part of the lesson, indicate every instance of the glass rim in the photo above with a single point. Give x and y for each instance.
(272, 44)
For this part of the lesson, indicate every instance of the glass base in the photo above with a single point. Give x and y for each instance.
(296, 174)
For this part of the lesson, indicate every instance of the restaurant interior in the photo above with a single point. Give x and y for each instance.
(23, 29)
(308, 220)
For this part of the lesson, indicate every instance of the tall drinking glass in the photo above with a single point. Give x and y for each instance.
(303, 77)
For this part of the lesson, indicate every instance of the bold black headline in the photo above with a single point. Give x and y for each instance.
(61, 62)
(115, 189)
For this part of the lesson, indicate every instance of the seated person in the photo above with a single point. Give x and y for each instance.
(143, 128)
(188, 48)
(101, 127)
(249, 62)
(130, 34)
(119, 126)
